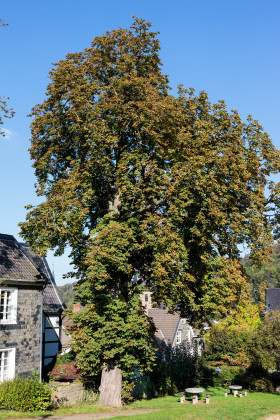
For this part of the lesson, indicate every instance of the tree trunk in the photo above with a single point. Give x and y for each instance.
(114, 205)
(111, 385)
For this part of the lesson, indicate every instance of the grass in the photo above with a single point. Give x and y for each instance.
(255, 406)
(74, 409)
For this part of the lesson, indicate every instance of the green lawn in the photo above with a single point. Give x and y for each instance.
(254, 406)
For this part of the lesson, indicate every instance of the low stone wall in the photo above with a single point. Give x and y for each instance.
(67, 393)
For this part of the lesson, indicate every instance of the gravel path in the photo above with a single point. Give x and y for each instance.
(273, 417)
(91, 416)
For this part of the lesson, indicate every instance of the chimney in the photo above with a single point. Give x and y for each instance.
(76, 307)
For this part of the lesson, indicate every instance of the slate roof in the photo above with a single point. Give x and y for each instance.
(14, 264)
(19, 263)
(35, 258)
(52, 302)
(274, 298)
(165, 323)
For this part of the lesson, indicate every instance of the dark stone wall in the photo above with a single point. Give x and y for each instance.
(24, 336)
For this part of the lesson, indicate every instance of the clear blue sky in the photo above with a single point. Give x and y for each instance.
(230, 49)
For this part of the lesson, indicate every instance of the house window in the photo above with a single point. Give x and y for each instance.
(188, 335)
(7, 364)
(146, 297)
(178, 337)
(8, 306)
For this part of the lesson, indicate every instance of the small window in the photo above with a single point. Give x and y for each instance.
(178, 337)
(183, 320)
(188, 335)
(146, 297)
(7, 364)
(8, 306)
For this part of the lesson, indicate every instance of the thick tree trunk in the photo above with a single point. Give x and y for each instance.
(111, 386)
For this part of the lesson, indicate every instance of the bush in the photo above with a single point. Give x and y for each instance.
(65, 358)
(256, 378)
(177, 368)
(265, 349)
(229, 346)
(25, 394)
(90, 396)
(229, 375)
(127, 391)
(230, 342)
(143, 387)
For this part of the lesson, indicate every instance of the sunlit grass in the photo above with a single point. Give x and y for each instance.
(254, 406)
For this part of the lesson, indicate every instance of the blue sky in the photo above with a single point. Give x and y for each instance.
(230, 49)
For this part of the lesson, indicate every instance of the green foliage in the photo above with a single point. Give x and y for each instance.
(64, 358)
(250, 344)
(127, 391)
(177, 368)
(25, 394)
(265, 349)
(67, 294)
(230, 341)
(257, 378)
(185, 178)
(143, 387)
(112, 330)
(228, 375)
(228, 346)
(266, 276)
(90, 397)
(140, 182)
(4, 112)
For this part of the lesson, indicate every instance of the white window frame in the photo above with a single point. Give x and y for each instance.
(179, 337)
(9, 356)
(11, 316)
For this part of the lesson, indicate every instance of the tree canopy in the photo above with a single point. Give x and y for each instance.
(141, 182)
(266, 276)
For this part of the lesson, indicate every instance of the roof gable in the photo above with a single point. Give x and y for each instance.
(165, 323)
(52, 302)
(15, 266)
(20, 265)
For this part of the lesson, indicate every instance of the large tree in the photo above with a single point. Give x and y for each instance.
(146, 185)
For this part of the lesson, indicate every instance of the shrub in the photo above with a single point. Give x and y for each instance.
(266, 344)
(256, 378)
(90, 397)
(230, 341)
(143, 387)
(25, 394)
(229, 345)
(127, 391)
(228, 375)
(65, 358)
(177, 368)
